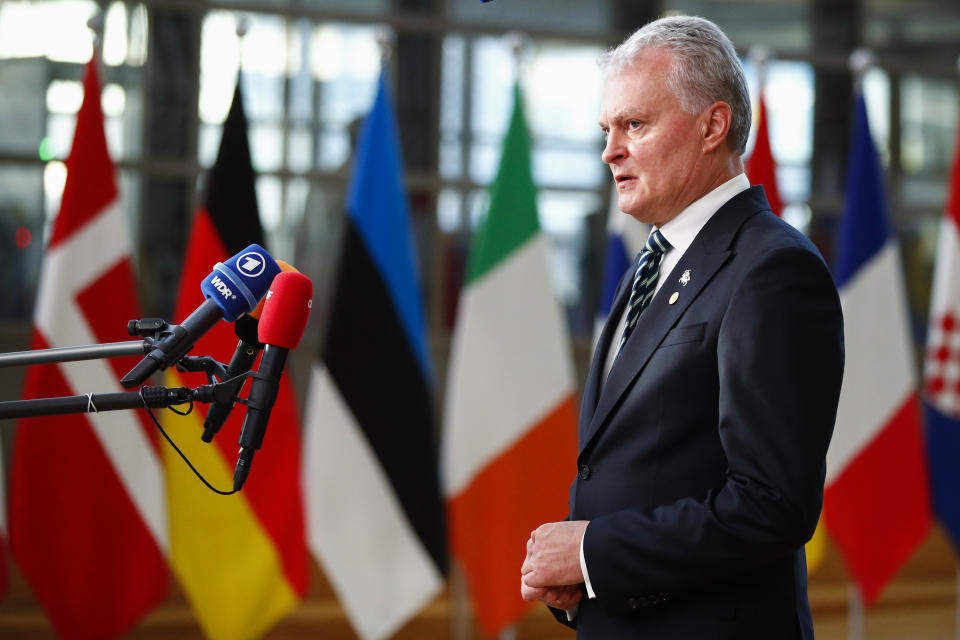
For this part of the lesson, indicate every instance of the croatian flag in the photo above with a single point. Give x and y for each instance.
(942, 370)
(876, 502)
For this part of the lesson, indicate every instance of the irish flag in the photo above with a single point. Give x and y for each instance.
(510, 434)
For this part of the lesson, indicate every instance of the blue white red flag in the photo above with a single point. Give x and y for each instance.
(876, 503)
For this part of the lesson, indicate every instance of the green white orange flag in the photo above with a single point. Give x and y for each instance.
(509, 440)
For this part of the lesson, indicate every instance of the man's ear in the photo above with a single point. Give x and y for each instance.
(715, 125)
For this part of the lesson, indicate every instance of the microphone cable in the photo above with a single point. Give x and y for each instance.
(176, 448)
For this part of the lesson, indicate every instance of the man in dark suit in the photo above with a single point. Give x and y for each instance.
(713, 391)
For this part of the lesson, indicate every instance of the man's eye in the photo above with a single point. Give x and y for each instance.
(633, 125)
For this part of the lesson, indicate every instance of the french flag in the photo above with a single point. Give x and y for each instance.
(942, 368)
(876, 503)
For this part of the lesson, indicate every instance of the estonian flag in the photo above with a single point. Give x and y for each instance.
(374, 514)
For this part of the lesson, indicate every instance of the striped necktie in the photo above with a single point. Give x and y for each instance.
(644, 281)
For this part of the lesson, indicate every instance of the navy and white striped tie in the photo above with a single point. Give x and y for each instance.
(644, 281)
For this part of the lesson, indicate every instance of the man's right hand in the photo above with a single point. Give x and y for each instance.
(562, 597)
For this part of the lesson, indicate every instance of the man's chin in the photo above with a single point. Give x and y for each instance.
(632, 208)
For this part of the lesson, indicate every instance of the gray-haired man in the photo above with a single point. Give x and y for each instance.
(713, 390)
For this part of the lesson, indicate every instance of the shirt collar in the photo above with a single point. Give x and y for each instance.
(684, 227)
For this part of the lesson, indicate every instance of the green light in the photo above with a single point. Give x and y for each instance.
(46, 150)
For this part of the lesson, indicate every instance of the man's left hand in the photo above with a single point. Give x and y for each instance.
(553, 555)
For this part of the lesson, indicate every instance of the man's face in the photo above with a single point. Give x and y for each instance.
(653, 148)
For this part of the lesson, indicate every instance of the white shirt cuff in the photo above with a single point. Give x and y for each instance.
(583, 569)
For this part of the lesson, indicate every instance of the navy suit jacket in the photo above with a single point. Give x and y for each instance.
(702, 456)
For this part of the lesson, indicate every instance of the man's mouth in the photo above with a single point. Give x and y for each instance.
(623, 179)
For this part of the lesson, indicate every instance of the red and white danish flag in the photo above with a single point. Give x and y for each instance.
(88, 519)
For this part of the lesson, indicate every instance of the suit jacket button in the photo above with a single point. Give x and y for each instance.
(632, 603)
(584, 471)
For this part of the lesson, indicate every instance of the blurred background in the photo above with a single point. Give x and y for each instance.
(308, 70)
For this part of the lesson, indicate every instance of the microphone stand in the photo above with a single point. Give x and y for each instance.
(220, 390)
(150, 329)
(72, 354)
(146, 397)
(223, 391)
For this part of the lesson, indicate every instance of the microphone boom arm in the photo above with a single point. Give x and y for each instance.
(145, 397)
(73, 354)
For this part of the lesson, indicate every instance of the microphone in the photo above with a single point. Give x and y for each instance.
(281, 325)
(245, 355)
(232, 289)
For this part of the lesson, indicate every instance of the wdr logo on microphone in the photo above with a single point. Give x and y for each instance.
(251, 264)
(222, 287)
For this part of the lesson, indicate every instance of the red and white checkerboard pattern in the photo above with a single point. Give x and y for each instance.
(942, 368)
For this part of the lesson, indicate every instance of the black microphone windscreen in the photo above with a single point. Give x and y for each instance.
(246, 329)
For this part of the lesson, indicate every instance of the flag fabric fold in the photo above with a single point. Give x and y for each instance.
(509, 440)
(88, 518)
(942, 366)
(374, 509)
(876, 504)
(242, 560)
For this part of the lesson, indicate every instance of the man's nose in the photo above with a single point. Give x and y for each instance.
(613, 149)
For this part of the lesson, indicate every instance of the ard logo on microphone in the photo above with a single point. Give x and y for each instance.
(251, 264)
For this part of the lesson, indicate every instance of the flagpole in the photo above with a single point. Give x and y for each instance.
(855, 614)
(956, 607)
(759, 55)
(96, 25)
(861, 59)
(242, 28)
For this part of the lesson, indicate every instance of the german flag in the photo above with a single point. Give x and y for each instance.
(242, 559)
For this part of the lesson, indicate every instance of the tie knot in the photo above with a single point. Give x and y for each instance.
(656, 243)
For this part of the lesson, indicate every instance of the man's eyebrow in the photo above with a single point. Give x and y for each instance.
(614, 117)
(619, 116)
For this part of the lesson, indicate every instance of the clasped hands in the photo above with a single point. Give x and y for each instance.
(551, 571)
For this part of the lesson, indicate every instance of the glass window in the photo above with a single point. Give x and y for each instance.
(928, 117)
(52, 30)
(22, 224)
(23, 119)
(573, 16)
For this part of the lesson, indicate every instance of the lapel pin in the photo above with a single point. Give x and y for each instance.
(685, 278)
(673, 297)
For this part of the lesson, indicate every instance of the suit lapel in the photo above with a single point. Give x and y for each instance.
(591, 390)
(703, 258)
